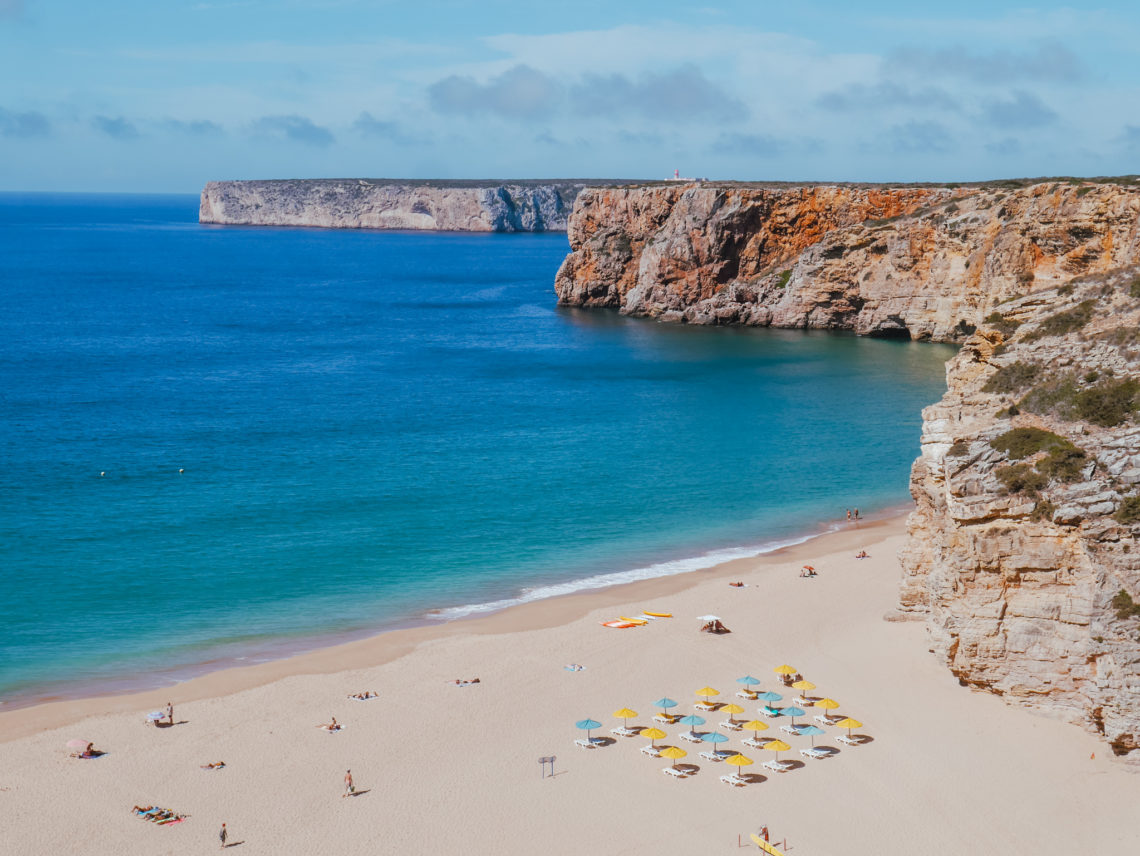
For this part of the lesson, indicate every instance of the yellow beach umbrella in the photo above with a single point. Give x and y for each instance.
(654, 734)
(739, 760)
(624, 715)
(755, 726)
(803, 685)
(777, 746)
(827, 704)
(849, 723)
(673, 752)
(731, 709)
(707, 692)
(785, 670)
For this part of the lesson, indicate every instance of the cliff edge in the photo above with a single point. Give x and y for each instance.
(910, 261)
(461, 206)
(1023, 553)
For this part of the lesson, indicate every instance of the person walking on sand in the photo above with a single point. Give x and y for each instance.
(170, 713)
(222, 836)
(349, 787)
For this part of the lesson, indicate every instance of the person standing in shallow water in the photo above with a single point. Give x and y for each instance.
(222, 836)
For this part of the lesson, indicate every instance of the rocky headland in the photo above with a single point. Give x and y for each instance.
(1022, 555)
(458, 206)
(915, 261)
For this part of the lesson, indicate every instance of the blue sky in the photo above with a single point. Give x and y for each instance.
(162, 96)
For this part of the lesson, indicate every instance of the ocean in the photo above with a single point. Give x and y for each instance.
(223, 444)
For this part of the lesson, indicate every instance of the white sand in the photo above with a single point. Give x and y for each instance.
(455, 770)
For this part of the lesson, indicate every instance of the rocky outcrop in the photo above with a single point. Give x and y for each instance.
(466, 206)
(921, 262)
(1023, 553)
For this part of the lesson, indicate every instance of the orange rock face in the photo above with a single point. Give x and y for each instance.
(928, 263)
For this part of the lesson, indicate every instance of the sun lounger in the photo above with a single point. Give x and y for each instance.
(753, 742)
(804, 702)
(706, 705)
(690, 736)
(770, 712)
(715, 755)
(824, 719)
(791, 729)
(675, 773)
(592, 743)
(817, 754)
(779, 766)
(651, 751)
(849, 741)
(746, 695)
(731, 725)
(733, 779)
(667, 718)
(625, 732)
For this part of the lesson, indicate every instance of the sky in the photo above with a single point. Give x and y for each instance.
(164, 95)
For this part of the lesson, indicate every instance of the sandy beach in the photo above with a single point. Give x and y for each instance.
(444, 768)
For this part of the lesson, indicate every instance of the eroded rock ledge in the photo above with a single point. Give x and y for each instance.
(921, 262)
(460, 206)
(1023, 545)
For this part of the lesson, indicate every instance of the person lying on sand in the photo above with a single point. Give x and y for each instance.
(573, 667)
(89, 752)
(217, 765)
(364, 696)
(862, 554)
(459, 682)
(737, 585)
(330, 726)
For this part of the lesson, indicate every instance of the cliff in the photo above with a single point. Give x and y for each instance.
(462, 206)
(923, 262)
(1023, 545)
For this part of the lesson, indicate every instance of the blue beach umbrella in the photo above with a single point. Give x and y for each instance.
(769, 696)
(748, 680)
(714, 737)
(813, 731)
(793, 712)
(587, 725)
(665, 703)
(692, 720)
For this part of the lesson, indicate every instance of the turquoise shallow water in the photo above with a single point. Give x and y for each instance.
(375, 426)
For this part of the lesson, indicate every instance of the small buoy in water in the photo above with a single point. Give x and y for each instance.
(102, 474)
(181, 470)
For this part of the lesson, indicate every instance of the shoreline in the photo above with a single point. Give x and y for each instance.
(374, 648)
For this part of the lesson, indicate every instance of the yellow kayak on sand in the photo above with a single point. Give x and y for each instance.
(658, 614)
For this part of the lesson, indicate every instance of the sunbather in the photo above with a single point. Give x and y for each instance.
(216, 765)
(330, 726)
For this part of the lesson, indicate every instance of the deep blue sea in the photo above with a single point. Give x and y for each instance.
(221, 443)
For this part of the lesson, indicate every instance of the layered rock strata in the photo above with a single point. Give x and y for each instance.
(921, 262)
(1023, 553)
(363, 204)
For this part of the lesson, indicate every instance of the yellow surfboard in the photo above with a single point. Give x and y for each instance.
(765, 846)
(658, 614)
(633, 620)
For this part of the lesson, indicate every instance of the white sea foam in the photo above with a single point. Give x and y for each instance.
(617, 578)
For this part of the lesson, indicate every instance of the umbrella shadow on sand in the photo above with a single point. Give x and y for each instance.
(753, 778)
(690, 769)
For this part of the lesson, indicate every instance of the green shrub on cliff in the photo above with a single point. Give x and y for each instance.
(959, 450)
(782, 279)
(1124, 605)
(1063, 465)
(1012, 378)
(1064, 322)
(1129, 511)
(1003, 325)
(1134, 287)
(1022, 442)
(1108, 404)
(1021, 478)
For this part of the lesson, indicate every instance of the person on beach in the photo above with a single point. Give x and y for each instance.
(170, 713)
(856, 513)
(349, 787)
(222, 836)
(848, 513)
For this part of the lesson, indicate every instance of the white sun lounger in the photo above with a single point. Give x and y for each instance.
(625, 732)
(652, 751)
(675, 773)
(802, 701)
(715, 755)
(778, 766)
(824, 719)
(690, 736)
(817, 754)
(753, 742)
(770, 712)
(746, 694)
(791, 729)
(849, 741)
(592, 743)
(733, 779)
(665, 717)
(731, 725)
(706, 705)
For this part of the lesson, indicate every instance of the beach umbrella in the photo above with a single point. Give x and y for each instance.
(673, 753)
(708, 618)
(692, 720)
(587, 725)
(777, 746)
(769, 696)
(78, 744)
(665, 703)
(849, 723)
(748, 681)
(730, 709)
(784, 670)
(708, 693)
(803, 687)
(812, 730)
(738, 760)
(793, 712)
(625, 714)
(827, 704)
(155, 715)
(654, 734)
(755, 726)
(714, 737)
